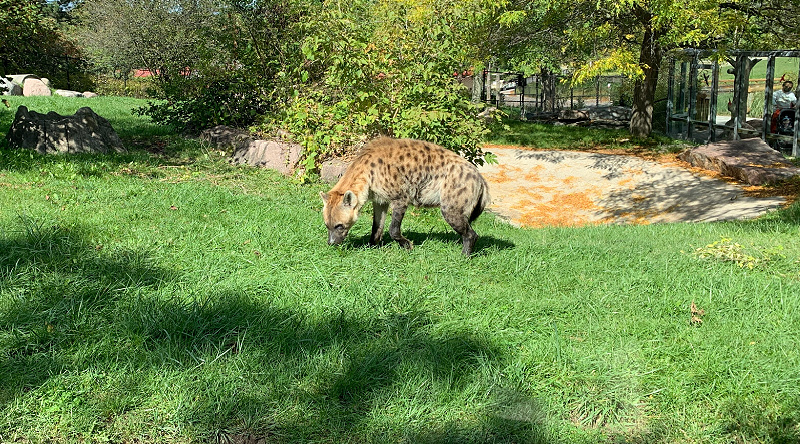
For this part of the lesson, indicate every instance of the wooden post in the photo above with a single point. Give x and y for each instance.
(670, 95)
(521, 86)
(597, 91)
(712, 112)
(682, 90)
(690, 117)
(767, 114)
(738, 85)
(795, 149)
(487, 84)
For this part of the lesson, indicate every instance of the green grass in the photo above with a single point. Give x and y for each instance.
(546, 136)
(169, 297)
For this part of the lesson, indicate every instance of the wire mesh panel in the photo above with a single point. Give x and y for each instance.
(546, 94)
(743, 94)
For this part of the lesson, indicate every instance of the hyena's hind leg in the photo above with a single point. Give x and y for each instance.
(460, 222)
(378, 222)
(398, 212)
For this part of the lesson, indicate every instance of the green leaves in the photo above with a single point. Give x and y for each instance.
(383, 68)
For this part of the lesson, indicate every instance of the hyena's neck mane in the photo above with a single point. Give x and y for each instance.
(356, 179)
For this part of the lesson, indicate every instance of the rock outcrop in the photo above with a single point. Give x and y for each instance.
(748, 160)
(9, 88)
(274, 154)
(332, 170)
(83, 132)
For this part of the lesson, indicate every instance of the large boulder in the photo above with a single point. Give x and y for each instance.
(9, 88)
(273, 154)
(35, 87)
(614, 113)
(332, 170)
(226, 137)
(32, 85)
(749, 160)
(67, 93)
(83, 132)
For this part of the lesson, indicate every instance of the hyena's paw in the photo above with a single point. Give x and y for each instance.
(405, 243)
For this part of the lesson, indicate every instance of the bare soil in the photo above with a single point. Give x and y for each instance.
(535, 188)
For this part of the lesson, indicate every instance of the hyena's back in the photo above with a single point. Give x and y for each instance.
(422, 174)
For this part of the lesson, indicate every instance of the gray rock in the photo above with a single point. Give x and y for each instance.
(35, 87)
(573, 114)
(89, 94)
(748, 160)
(9, 88)
(225, 137)
(83, 132)
(618, 113)
(67, 93)
(273, 154)
(332, 170)
(278, 155)
(19, 79)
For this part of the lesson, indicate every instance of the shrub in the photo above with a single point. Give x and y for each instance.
(391, 69)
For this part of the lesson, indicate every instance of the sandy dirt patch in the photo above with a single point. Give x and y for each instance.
(571, 188)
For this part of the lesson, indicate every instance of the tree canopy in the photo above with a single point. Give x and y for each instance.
(335, 71)
(31, 40)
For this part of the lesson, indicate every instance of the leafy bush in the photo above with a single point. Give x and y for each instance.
(232, 100)
(390, 69)
(136, 87)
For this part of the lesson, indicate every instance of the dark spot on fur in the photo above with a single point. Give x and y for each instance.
(380, 161)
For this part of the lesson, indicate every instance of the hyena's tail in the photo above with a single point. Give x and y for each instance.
(483, 200)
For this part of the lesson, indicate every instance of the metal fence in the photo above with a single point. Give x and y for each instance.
(63, 71)
(546, 94)
(710, 100)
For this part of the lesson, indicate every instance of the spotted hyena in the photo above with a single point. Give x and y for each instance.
(403, 172)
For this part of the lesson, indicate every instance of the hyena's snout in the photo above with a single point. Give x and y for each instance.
(336, 235)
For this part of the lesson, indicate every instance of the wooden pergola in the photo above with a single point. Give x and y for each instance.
(682, 103)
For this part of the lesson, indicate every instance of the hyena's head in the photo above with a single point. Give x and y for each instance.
(339, 211)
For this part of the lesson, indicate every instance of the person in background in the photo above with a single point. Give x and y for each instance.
(782, 99)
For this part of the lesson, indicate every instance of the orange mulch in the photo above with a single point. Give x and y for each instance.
(563, 210)
(790, 189)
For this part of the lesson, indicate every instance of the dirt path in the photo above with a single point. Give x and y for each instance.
(570, 188)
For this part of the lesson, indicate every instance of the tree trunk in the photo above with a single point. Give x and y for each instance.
(741, 68)
(549, 82)
(644, 90)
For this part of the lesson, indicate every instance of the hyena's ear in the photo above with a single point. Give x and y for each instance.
(349, 199)
(324, 196)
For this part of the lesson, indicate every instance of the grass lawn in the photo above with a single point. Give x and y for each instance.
(166, 296)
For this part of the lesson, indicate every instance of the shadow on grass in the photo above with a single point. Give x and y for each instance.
(71, 311)
(85, 164)
(482, 245)
(55, 284)
(548, 136)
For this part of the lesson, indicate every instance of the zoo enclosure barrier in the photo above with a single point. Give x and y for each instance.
(710, 100)
(547, 94)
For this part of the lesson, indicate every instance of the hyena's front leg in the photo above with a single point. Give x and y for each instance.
(378, 222)
(398, 212)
